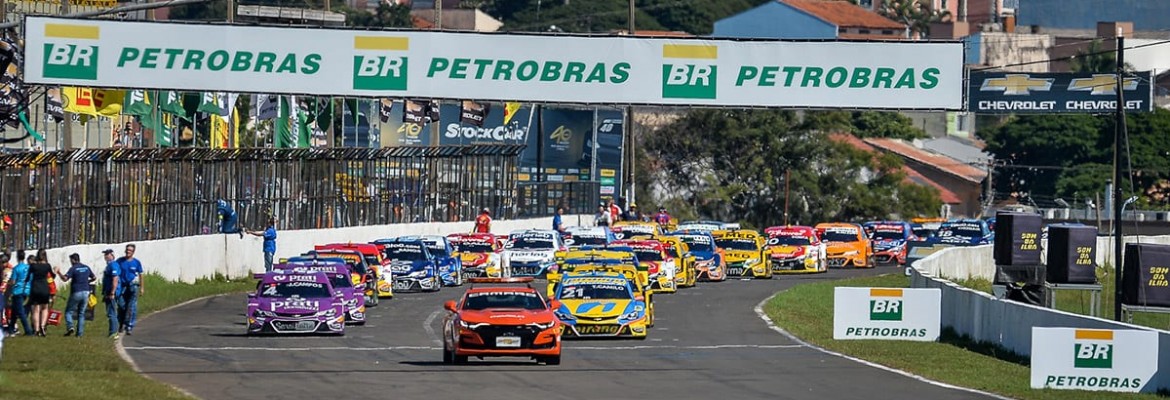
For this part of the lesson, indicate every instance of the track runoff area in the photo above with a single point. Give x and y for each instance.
(706, 339)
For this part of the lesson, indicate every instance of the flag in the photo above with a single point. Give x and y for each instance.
(219, 132)
(235, 128)
(323, 113)
(268, 106)
(227, 102)
(137, 102)
(473, 113)
(384, 108)
(413, 112)
(510, 109)
(172, 102)
(208, 103)
(162, 126)
(53, 105)
(282, 130)
(94, 102)
(303, 121)
(433, 111)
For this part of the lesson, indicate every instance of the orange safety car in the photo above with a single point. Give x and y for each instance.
(502, 321)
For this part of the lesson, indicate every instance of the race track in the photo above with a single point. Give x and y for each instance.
(708, 343)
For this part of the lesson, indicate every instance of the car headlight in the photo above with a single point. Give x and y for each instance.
(752, 261)
(851, 253)
(417, 274)
(471, 326)
(544, 326)
(263, 314)
(563, 316)
(327, 313)
(631, 316)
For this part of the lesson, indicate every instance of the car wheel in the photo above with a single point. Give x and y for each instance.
(459, 278)
(448, 356)
(552, 360)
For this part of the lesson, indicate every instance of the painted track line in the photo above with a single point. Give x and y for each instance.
(398, 348)
(759, 309)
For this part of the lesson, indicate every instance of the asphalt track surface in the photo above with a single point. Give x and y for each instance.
(707, 343)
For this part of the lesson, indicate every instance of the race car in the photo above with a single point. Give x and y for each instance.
(620, 259)
(588, 236)
(450, 266)
(846, 245)
(501, 321)
(702, 226)
(744, 252)
(660, 266)
(794, 250)
(531, 253)
(295, 303)
(636, 230)
(479, 254)
(889, 240)
(365, 275)
(602, 304)
(380, 280)
(964, 232)
(412, 265)
(684, 260)
(339, 279)
(710, 264)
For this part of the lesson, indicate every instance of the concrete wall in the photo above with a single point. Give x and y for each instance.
(985, 318)
(189, 258)
(961, 263)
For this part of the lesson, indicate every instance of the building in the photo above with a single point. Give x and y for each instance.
(810, 19)
(289, 15)
(950, 200)
(962, 179)
(460, 19)
(1150, 15)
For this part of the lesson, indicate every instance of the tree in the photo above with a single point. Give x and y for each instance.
(916, 14)
(864, 124)
(1094, 59)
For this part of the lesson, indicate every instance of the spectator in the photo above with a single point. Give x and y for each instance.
(603, 218)
(631, 213)
(615, 212)
(5, 280)
(662, 218)
(39, 294)
(132, 287)
(81, 280)
(269, 235)
(558, 223)
(112, 291)
(19, 285)
(483, 223)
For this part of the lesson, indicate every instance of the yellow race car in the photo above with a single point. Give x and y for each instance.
(621, 261)
(599, 302)
(685, 261)
(744, 250)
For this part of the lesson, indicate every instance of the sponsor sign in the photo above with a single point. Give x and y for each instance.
(886, 314)
(1050, 93)
(503, 67)
(1093, 359)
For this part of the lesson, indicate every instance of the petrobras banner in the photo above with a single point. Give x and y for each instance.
(887, 314)
(1094, 359)
(527, 68)
(1063, 92)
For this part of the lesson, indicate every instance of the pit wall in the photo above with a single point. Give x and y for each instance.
(187, 259)
(984, 318)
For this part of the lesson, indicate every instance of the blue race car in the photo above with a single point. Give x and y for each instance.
(443, 254)
(413, 266)
(709, 262)
(964, 232)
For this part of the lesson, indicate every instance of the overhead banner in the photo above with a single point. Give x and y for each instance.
(1052, 93)
(1094, 359)
(526, 68)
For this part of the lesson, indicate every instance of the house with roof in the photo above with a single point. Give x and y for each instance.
(810, 19)
(961, 178)
(951, 201)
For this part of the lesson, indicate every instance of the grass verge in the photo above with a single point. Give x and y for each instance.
(57, 367)
(952, 360)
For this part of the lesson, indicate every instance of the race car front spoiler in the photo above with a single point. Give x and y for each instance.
(415, 285)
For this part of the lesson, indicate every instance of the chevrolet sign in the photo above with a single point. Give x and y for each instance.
(1051, 93)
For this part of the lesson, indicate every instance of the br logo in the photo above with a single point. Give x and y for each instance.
(375, 66)
(75, 56)
(1093, 349)
(885, 305)
(688, 71)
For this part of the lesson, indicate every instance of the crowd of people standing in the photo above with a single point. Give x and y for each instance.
(609, 212)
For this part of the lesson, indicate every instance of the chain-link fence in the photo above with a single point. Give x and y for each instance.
(52, 199)
(542, 198)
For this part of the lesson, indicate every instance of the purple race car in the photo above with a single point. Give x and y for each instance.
(295, 303)
(338, 273)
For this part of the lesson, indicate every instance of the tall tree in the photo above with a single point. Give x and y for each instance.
(916, 14)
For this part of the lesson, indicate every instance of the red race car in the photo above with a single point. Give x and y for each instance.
(501, 321)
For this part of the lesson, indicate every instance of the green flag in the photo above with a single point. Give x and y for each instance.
(281, 130)
(324, 113)
(137, 102)
(163, 133)
(209, 103)
(172, 102)
(304, 130)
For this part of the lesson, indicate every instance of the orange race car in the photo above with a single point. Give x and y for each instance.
(501, 321)
(846, 245)
(377, 277)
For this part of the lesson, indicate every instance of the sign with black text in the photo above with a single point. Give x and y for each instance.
(1051, 93)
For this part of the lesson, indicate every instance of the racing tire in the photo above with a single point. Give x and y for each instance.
(459, 278)
(448, 357)
(551, 360)
(438, 284)
(869, 262)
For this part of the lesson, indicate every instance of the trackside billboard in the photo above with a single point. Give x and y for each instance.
(1093, 359)
(530, 68)
(885, 313)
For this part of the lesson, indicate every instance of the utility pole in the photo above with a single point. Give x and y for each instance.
(787, 178)
(231, 11)
(989, 190)
(1118, 136)
(629, 125)
(435, 137)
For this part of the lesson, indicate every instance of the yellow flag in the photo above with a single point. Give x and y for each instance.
(235, 128)
(510, 109)
(90, 101)
(219, 132)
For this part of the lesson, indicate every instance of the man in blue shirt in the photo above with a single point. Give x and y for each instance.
(269, 235)
(558, 224)
(20, 287)
(132, 287)
(81, 280)
(112, 291)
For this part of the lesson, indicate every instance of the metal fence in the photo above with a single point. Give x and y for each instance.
(52, 199)
(539, 199)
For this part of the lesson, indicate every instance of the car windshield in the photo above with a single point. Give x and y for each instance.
(888, 235)
(789, 241)
(960, 232)
(648, 254)
(305, 290)
(486, 300)
(840, 236)
(530, 243)
(340, 281)
(594, 291)
(437, 249)
(697, 243)
(736, 244)
(589, 240)
(923, 232)
(372, 260)
(473, 247)
(405, 253)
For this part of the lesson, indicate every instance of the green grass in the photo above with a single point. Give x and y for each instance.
(952, 360)
(58, 367)
(1076, 301)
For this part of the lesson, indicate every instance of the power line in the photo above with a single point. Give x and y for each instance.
(1160, 42)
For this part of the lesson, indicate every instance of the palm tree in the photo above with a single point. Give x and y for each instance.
(916, 14)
